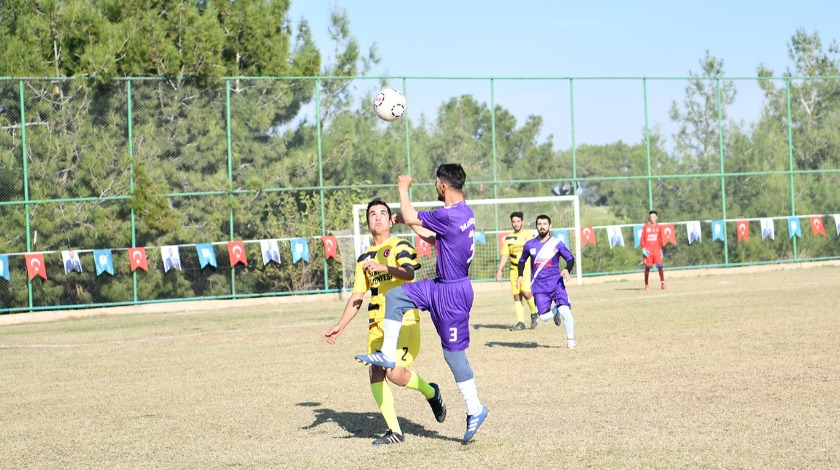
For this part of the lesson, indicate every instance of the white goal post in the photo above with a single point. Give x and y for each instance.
(492, 217)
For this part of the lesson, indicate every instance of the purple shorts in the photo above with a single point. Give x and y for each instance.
(449, 303)
(544, 299)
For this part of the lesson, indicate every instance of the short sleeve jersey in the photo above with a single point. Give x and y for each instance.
(394, 252)
(513, 243)
(651, 237)
(454, 228)
(545, 263)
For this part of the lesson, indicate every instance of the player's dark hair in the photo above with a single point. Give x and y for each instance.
(652, 212)
(452, 174)
(376, 202)
(516, 214)
(544, 217)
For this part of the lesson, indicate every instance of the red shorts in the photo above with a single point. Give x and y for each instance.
(654, 258)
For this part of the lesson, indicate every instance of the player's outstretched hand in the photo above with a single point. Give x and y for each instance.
(332, 334)
(565, 274)
(645, 252)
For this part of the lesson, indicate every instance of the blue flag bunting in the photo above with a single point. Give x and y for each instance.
(104, 262)
(300, 250)
(794, 227)
(637, 234)
(206, 255)
(562, 234)
(4, 267)
(480, 237)
(718, 230)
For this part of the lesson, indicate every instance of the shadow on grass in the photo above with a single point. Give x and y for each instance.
(367, 425)
(517, 345)
(491, 327)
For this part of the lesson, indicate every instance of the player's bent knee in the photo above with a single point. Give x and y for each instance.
(397, 302)
(459, 365)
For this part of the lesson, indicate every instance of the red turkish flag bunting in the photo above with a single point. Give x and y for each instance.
(330, 247)
(236, 252)
(137, 259)
(587, 236)
(668, 235)
(423, 248)
(743, 227)
(817, 225)
(502, 240)
(35, 265)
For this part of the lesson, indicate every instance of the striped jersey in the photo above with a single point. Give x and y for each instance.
(394, 252)
(513, 243)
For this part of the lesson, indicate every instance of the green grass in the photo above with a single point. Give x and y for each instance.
(736, 370)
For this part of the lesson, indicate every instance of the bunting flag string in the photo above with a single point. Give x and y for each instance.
(170, 255)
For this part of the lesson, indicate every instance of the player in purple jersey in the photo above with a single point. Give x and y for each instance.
(448, 297)
(547, 282)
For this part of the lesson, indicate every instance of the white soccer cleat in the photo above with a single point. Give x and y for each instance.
(570, 343)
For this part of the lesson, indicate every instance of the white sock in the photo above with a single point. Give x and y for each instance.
(568, 321)
(391, 330)
(470, 394)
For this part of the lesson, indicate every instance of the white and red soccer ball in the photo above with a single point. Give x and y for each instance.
(389, 104)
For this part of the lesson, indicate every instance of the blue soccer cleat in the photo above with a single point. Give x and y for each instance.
(474, 422)
(376, 359)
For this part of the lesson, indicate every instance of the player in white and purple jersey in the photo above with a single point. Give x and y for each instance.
(448, 297)
(547, 279)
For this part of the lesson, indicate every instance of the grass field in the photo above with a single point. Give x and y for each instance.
(732, 370)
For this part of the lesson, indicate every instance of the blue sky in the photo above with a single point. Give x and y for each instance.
(648, 38)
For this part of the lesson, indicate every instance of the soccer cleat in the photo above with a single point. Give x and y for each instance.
(534, 317)
(474, 422)
(664, 287)
(390, 437)
(570, 343)
(557, 318)
(376, 359)
(437, 404)
(647, 288)
(517, 327)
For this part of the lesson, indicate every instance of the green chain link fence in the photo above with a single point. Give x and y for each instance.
(154, 163)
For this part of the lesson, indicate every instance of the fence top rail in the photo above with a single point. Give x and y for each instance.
(429, 77)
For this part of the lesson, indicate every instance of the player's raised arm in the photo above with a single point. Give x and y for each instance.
(407, 211)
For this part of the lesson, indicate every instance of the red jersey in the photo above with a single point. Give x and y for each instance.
(651, 238)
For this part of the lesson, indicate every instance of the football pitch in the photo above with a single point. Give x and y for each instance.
(735, 369)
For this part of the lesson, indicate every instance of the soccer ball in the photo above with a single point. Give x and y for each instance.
(389, 104)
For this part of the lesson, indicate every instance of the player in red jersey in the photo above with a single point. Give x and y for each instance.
(651, 244)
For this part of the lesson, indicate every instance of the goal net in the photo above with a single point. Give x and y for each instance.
(492, 223)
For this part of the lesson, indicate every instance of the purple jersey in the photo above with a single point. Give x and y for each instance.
(545, 263)
(454, 228)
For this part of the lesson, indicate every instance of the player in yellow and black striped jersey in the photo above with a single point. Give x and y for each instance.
(512, 250)
(390, 262)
